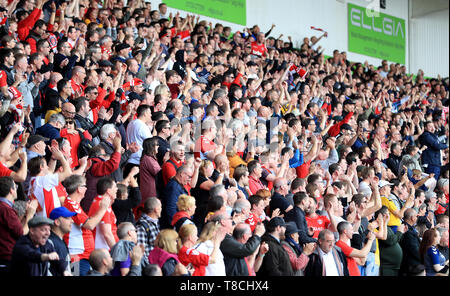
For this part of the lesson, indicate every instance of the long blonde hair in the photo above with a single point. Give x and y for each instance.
(168, 240)
(208, 232)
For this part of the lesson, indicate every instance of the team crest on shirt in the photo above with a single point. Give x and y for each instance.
(319, 221)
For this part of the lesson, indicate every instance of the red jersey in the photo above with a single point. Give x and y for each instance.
(108, 218)
(77, 89)
(194, 257)
(318, 224)
(259, 49)
(255, 185)
(3, 77)
(79, 240)
(203, 146)
(353, 269)
(4, 171)
(253, 220)
(46, 190)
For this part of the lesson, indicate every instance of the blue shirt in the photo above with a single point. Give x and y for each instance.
(432, 257)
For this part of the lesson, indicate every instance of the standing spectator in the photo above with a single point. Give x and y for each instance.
(186, 209)
(128, 198)
(410, 243)
(279, 200)
(149, 168)
(190, 255)
(80, 240)
(101, 262)
(238, 246)
(83, 121)
(43, 184)
(390, 251)
(33, 252)
(137, 131)
(120, 252)
(327, 259)
(62, 225)
(147, 226)
(167, 245)
(105, 233)
(354, 256)
(297, 215)
(430, 256)
(11, 227)
(276, 261)
(431, 157)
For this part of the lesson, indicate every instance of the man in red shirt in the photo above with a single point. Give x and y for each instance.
(315, 221)
(80, 240)
(105, 233)
(255, 172)
(257, 211)
(205, 148)
(78, 76)
(259, 48)
(169, 168)
(355, 257)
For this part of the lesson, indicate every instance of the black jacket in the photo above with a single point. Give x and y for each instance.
(276, 261)
(410, 243)
(86, 124)
(234, 253)
(298, 216)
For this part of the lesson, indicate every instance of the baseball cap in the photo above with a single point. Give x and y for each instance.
(276, 221)
(33, 139)
(61, 212)
(38, 221)
(349, 102)
(134, 96)
(383, 183)
(105, 63)
(122, 46)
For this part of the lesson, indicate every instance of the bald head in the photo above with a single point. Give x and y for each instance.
(55, 77)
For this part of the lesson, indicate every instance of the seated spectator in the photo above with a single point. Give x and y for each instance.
(430, 256)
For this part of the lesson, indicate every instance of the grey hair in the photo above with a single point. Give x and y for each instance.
(241, 204)
(106, 130)
(323, 233)
(58, 117)
(216, 190)
(219, 93)
(123, 229)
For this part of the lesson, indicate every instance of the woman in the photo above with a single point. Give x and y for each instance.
(165, 253)
(206, 245)
(201, 191)
(430, 256)
(267, 196)
(72, 135)
(189, 255)
(149, 168)
(186, 209)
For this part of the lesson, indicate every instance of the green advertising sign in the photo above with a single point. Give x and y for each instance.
(376, 34)
(233, 11)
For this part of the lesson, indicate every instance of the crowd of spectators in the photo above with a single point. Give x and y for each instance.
(137, 142)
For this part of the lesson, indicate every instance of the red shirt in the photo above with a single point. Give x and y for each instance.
(108, 218)
(259, 49)
(79, 240)
(253, 220)
(77, 89)
(169, 170)
(4, 171)
(194, 257)
(202, 146)
(318, 224)
(3, 77)
(351, 263)
(254, 185)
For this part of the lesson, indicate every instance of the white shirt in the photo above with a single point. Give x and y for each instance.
(330, 264)
(137, 131)
(365, 189)
(212, 269)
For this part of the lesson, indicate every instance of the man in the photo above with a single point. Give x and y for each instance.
(443, 243)
(431, 157)
(354, 256)
(315, 221)
(105, 232)
(279, 200)
(120, 252)
(257, 205)
(33, 252)
(276, 261)
(162, 128)
(101, 262)
(62, 225)
(255, 172)
(327, 259)
(205, 148)
(177, 159)
(80, 240)
(51, 130)
(147, 226)
(175, 187)
(410, 243)
(77, 81)
(36, 146)
(38, 32)
(46, 187)
(395, 208)
(83, 121)
(11, 227)
(395, 157)
(297, 215)
(138, 131)
(238, 247)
